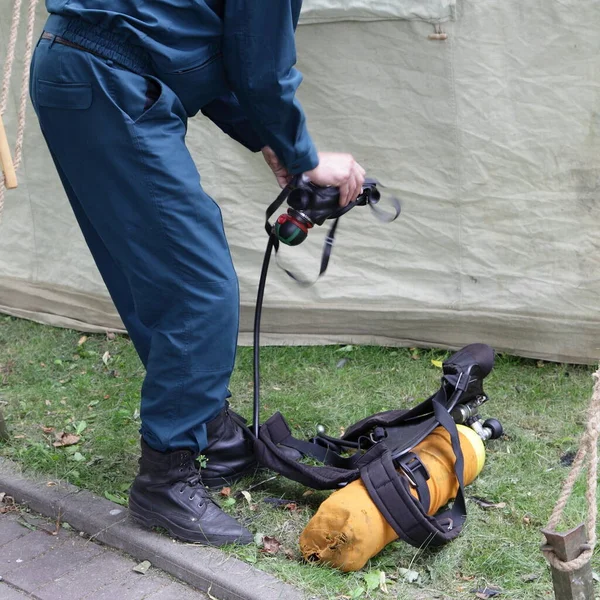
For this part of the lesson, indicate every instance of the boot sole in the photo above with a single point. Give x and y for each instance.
(149, 519)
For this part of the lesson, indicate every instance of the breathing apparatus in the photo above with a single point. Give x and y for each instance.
(393, 470)
(308, 205)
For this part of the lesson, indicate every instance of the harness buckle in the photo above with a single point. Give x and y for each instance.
(378, 434)
(411, 465)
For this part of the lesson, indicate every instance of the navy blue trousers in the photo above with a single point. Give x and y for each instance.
(117, 138)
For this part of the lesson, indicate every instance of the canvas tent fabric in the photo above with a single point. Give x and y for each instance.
(491, 140)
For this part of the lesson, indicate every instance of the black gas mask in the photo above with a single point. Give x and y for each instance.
(310, 205)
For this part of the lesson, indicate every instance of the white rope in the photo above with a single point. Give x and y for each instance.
(10, 55)
(6, 78)
(25, 82)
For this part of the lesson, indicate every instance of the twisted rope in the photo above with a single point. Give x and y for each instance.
(588, 451)
(6, 78)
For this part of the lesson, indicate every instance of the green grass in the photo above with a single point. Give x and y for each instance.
(48, 380)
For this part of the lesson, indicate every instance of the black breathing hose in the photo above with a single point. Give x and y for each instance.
(257, 315)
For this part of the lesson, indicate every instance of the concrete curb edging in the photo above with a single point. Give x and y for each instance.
(207, 569)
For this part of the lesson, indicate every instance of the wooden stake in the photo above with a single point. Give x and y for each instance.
(6, 163)
(574, 585)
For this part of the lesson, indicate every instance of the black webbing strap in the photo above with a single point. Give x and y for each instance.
(458, 511)
(318, 452)
(279, 433)
(327, 245)
(277, 450)
(408, 517)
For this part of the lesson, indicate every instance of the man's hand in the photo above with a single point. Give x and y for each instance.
(281, 173)
(339, 170)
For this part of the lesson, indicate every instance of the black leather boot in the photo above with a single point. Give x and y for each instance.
(230, 452)
(169, 493)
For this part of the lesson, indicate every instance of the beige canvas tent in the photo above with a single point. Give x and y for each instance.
(490, 138)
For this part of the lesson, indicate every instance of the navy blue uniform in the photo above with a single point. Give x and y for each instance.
(113, 84)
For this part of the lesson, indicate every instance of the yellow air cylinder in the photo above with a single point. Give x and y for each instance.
(348, 529)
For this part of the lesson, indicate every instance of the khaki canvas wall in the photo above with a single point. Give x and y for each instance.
(491, 139)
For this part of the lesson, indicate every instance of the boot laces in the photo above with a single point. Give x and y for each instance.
(191, 478)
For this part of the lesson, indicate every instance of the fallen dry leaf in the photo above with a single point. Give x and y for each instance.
(7, 504)
(18, 437)
(47, 429)
(106, 357)
(82, 340)
(409, 575)
(289, 554)
(467, 577)
(65, 439)
(110, 335)
(226, 491)
(292, 506)
(485, 504)
(271, 545)
(308, 493)
(142, 568)
(382, 582)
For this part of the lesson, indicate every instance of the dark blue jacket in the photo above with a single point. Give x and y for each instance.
(253, 40)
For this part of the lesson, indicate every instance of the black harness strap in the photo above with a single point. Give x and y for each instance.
(278, 450)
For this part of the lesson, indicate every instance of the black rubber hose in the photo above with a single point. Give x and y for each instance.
(257, 315)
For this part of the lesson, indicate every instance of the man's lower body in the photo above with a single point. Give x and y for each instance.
(117, 138)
